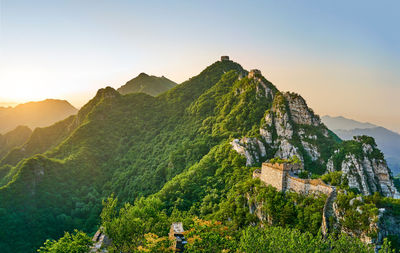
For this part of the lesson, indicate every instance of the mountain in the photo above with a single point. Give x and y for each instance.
(189, 152)
(14, 138)
(388, 141)
(151, 85)
(344, 123)
(35, 114)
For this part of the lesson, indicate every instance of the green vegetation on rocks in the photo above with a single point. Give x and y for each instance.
(166, 158)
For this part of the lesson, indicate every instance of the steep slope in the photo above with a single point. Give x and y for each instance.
(388, 141)
(186, 149)
(122, 144)
(151, 85)
(35, 114)
(364, 167)
(14, 138)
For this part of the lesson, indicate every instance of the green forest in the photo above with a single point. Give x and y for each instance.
(133, 164)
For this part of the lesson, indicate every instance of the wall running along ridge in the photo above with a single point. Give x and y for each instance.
(282, 177)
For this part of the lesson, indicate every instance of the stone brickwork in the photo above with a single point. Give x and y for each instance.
(283, 177)
(306, 186)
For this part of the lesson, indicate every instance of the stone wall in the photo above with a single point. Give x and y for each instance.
(273, 176)
(306, 186)
(278, 176)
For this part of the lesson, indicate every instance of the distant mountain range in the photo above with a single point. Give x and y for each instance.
(388, 141)
(344, 123)
(35, 114)
(151, 85)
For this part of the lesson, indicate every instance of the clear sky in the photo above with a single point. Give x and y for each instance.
(343, 57)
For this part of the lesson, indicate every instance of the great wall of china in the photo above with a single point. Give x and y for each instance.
(284, 177)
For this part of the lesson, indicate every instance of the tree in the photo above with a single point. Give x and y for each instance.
(77, 242)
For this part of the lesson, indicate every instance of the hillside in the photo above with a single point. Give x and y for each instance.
(189, 152)
(144, 83)
(35, 114)
(388, 141)
(13, 139)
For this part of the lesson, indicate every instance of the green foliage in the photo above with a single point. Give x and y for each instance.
(278, 239)
(210, 236)
(151, 85)
(355, 147)
(358, 212)
(13, 139)
(166, 158)
(336, 178)
(128, 227)
(292, 160)
(77, 242)
(287, 210)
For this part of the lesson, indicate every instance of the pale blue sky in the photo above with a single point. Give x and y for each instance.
(342, 56)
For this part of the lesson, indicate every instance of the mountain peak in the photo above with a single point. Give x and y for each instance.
(142, 75)
(145, 83)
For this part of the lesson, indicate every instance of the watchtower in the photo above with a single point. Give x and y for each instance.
(276, 174)
(224, 58)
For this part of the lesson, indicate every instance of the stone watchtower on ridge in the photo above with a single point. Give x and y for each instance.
(275, 174)
(224, 58)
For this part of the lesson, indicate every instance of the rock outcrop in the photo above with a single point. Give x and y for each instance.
(364, 167)
(290, 128)
(288, 119)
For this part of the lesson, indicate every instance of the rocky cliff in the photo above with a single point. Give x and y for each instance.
(364, 167)
(290, 128)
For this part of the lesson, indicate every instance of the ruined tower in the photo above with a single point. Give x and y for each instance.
(224, 58)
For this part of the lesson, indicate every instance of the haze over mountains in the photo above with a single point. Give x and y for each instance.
(35, 114)
(387, 140)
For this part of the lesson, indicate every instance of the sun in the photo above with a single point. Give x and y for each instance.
(24, 85)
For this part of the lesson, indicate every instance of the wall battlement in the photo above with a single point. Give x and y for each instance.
(282, 177)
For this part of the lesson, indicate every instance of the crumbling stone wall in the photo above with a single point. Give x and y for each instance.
(279, 176)
(306, 186)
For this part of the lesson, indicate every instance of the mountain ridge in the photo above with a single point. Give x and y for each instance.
(387, 140)
(35, 114)
(175, 149)
(145, 83)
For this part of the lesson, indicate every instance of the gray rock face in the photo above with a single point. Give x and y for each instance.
(300, 112)
(286, 150)
(277, 131)
(368, 175)
(329, 166)
(284, 128)
(252, 148)
(312, 150)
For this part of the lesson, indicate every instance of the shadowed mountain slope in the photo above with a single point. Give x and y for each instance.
(35, 114)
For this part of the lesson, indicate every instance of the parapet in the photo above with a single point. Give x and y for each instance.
(254, 72)
(283, 166)
(224, 58)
